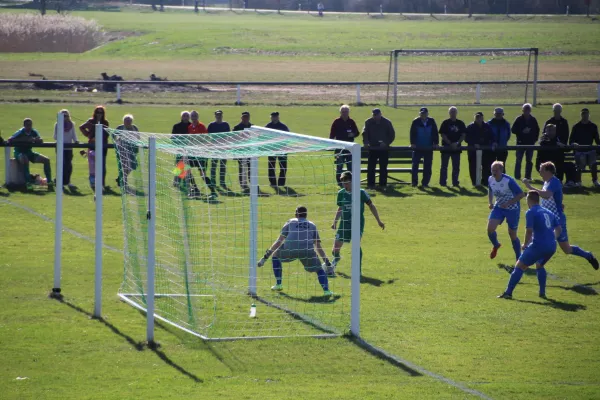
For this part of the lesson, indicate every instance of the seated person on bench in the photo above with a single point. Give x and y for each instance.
(22, 140)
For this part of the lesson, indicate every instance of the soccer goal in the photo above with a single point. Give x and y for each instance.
(500, 76)
(192, 244)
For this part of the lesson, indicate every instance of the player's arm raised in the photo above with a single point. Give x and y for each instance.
(546, 194)
(375, 214)
(276, 245)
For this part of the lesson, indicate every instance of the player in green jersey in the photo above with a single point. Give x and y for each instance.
(344, 231)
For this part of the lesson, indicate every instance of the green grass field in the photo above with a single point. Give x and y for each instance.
(428, 297)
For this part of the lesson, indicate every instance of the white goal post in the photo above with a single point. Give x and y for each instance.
(192, 262)
(500, 76)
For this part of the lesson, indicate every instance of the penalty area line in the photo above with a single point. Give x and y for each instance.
(53, 222)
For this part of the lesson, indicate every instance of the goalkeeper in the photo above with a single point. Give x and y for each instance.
(298, 240)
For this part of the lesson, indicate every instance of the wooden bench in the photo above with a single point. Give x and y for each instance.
(570, 158)
(397, 158)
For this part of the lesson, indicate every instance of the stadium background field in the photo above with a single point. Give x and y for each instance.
(429, 288)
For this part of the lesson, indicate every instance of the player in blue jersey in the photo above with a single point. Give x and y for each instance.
(508, 194)
(543, 227)
(552, 199)
(298, 240)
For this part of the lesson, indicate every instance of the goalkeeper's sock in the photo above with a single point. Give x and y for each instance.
(323, 279)
(494, 238)
(578, 251)
(541, 275)
(515, 277)
(516, 244)
(48, 172)
(277, 270)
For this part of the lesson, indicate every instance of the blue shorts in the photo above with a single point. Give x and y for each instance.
(564, 236)
(511, 216)
(537, 255)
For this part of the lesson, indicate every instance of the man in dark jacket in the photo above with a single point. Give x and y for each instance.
(585, 133)
(378, 135)
(500, 133)
(218, 126)
(479, 134)
(551, 148)
(282, 159)
(343, 128)
(561, 139)
(244, 163)
(453, 132)
(527, 131)
(423, 139)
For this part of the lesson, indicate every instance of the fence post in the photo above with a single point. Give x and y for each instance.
(98, 151)
(7, 157)
(58, 219)
(567, 11)
(478, 93)
(358, 102)
(119, 93)
(238, 100)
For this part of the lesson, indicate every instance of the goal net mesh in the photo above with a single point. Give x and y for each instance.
(203, 232)
(430, 76)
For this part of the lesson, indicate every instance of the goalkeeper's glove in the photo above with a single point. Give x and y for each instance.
(265, 258)
(327, 263)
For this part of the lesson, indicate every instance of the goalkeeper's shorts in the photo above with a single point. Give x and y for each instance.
(308, 258)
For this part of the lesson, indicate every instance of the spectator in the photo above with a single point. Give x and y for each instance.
(218, 126)
(585, 133)
(500, 133)
(127, 161)
(69, 136)
(479, 134)
(88, 128)
(378, 135)
(281, 159)
(453, 132)
(244, 163)
(551, 151)
(423, 139)
(180, 128)
(527, 131)
(562, 138)
(22, 141)
(343, 128)
(320, 8)
(198, 128)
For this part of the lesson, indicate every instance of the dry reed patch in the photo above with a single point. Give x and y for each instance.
(24, 33)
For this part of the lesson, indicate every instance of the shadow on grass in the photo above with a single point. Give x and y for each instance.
(585, 289)
(461, 191)
(585, 191)
(434, 191)
(559, 305)
(4, 194)
(312, 299)
(74, 193)
(383, 355)
(392, 192)
(368, 280)
(287, 191)
(509, 269)
(139, 346)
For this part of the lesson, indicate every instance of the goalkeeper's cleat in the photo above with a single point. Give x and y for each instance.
(327, 293)
(494, 251)
(278, 287)
(505, 296)
(594, 261)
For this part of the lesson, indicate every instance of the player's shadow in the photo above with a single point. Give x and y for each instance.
(139, 346)
(461, 191)
(509, 269)
(368, 280)
(557, 304)
(585, 289)
(392, 192)
(74, 193)
(227, 192)
(312, 299)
